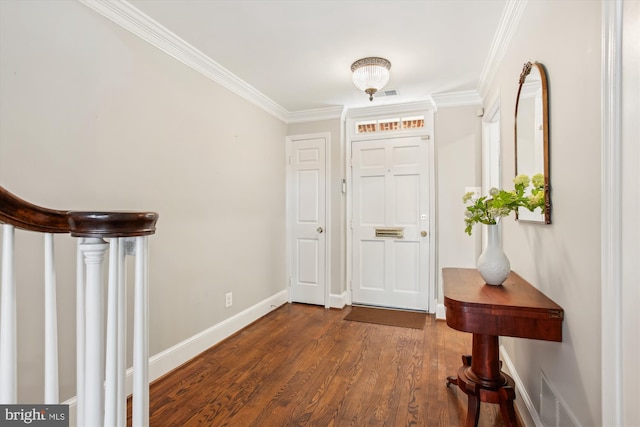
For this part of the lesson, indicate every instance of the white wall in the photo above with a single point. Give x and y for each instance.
(458, 165)
(91, 117)
(561, 259)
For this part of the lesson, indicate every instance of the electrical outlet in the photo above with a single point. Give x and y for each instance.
(228, 302)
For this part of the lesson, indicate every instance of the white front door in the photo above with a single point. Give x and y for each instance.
(390, 223)
(307, 201)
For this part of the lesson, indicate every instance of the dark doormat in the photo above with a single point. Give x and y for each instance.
(383, 316)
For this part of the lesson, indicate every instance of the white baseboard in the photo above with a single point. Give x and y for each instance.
(338, 301)
(441, 312)
(169, 359)
(525, 406)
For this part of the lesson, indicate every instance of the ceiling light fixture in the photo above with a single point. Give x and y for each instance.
(370, 74)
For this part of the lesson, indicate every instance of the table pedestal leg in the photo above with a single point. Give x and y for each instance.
(473, 410)
(481, 379)
(507, 395)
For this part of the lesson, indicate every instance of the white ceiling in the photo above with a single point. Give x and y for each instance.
(298, 53)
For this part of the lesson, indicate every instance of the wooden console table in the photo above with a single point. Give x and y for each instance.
(514, 309)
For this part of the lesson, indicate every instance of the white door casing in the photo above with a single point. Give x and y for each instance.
(491, 163)
(491, 166)
(390, 187)
(307, 218)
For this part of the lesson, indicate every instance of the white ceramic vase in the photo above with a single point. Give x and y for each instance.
(493, 264)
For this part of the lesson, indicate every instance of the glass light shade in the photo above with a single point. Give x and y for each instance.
(370, 74)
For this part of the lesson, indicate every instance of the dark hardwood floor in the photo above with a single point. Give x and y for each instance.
(303, 365)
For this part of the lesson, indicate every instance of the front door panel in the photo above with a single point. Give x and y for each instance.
(390, 216)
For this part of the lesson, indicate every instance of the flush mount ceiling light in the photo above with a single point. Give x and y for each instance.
(370, 74)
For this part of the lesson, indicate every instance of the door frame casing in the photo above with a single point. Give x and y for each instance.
(327, 210)
(427, 134)
(491, 160)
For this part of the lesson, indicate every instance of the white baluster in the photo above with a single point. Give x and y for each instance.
(141, 337)
(80, 334)
(115, 400)
(50, 324)
(8, 334)
(111, 374)
(94, 250)
(122, 335)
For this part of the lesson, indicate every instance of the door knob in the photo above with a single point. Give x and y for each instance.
(423, 233)
(319, 230)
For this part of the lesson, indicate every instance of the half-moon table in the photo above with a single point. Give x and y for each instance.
(514, 309)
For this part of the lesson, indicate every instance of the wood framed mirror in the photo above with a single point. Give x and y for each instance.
(532, 135)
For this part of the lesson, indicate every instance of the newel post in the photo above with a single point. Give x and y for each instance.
(122, 229)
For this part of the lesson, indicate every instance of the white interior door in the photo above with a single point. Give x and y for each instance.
(307, 220)
(390, 216)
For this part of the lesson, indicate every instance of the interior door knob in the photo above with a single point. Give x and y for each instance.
(319, 230)
(423, 233)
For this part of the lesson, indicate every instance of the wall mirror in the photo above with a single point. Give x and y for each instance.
(532, 135)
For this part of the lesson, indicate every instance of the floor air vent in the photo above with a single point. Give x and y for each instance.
(553, 410)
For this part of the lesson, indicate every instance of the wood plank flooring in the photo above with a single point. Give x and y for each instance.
(303, 365)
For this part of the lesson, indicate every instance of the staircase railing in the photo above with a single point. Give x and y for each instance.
(100, 359)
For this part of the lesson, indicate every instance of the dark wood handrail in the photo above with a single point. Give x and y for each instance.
(112, 224)
(27, 216)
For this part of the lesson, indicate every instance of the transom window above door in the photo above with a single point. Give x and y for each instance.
(397, 123)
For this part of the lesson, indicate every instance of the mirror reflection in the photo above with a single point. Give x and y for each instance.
(532, 135)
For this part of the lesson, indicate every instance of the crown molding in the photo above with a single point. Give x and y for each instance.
(390, 109)
(316, 114)
(457, 99)
(133, 20)
(130, 18)
(509, 21)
